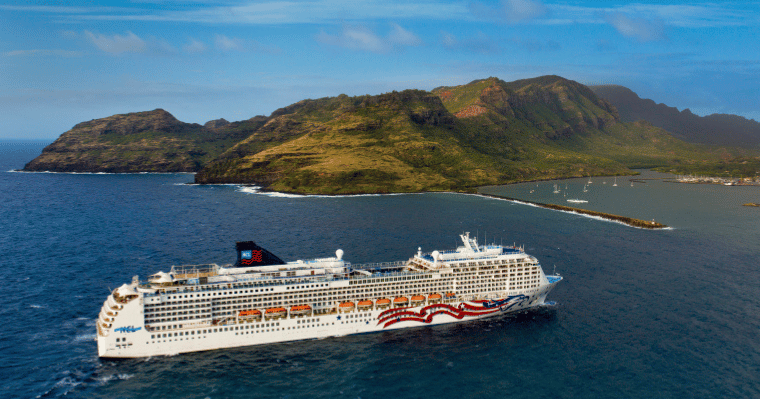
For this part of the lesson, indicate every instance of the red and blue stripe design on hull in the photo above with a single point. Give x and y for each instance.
(426, 314)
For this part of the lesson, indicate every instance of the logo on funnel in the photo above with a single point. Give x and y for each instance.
(250, 257)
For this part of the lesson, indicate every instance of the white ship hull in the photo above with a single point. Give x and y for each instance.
(124, 333)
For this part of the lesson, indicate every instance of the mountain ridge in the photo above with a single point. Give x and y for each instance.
(716, 129)
(452, 138)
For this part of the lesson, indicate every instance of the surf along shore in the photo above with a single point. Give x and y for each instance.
(617, 218)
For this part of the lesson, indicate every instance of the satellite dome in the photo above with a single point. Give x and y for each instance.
(339, 254)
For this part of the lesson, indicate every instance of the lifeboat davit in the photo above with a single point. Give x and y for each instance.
(364, 304)
(400, 301)
(300, 309)
(346, 306)
(383, 303)
(434, 297)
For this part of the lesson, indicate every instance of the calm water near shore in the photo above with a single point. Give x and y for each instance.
(668, 314)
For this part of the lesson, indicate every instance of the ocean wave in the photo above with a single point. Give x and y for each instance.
(84, 337)
(277, 194)
(65, 385)
(113, 377)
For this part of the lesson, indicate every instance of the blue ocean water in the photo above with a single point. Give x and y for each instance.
(668, 314)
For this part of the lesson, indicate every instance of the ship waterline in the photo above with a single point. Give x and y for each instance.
(261, 299)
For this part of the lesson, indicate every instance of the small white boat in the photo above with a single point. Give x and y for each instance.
(577, 201)
(615, 183)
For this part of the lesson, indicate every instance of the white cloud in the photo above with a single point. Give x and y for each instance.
(637, 28)
(535, 45)
(361, 38)
(331, 11)
(225, 43)
(520, 10)
(117, 44)
(271, 12)
(43, 52)
(509, 11)
(403, 37)
(194, 46)
(479, 43)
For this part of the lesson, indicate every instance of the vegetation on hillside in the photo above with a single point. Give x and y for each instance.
(716, 129)
(453, 138)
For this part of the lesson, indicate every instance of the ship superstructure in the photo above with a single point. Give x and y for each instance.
(261, 299)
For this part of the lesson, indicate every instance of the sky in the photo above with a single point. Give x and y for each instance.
(67, 61)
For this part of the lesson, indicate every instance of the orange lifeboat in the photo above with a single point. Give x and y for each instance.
(300, 309)
(434, 298)
(418, 299)
(275, 312)
(248, 313)
(383, 303)
(451, 295)
(364, 304)
(346, 306)
(400, 301)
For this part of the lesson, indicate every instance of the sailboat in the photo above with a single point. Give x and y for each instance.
(556, 190)
(615, 184)
(589, 180)
(631, 184)
(585, 189)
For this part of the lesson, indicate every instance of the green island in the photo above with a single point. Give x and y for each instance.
(453, 138)
(643, 224)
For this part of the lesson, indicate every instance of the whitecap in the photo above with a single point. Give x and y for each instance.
(113, 377)
(277, 194)
(84, 337)
(36, 306)
(65, 384)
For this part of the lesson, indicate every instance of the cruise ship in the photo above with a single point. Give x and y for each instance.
(261, 299)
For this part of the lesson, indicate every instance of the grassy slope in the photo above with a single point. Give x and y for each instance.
(151, 141)
(397, 142)
(550, 127)
(485, 132)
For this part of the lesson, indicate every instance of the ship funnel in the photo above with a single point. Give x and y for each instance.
(250, 255)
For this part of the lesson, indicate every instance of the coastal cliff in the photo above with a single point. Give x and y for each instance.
(150, 141)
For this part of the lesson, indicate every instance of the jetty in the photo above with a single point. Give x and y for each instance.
(644, 224)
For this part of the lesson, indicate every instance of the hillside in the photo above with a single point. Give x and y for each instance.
(455, 138)
(394, 142)
(717, 129)
(151, 141)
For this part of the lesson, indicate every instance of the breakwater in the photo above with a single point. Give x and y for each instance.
(644, 224)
